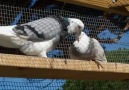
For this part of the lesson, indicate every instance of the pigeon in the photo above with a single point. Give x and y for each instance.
(39, 36)
(86, 48)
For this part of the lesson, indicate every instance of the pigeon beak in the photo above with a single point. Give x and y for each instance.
(78, 39)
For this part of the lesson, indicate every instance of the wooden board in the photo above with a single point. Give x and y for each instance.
(119, 3)
(34, 67)
(97, 4)
(127, 8)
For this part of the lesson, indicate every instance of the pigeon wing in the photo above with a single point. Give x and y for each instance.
(42, 29)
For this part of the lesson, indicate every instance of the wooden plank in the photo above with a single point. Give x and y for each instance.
(96, 4)
(34, 67)
(88, 3)
(127, 8)
(119, 3)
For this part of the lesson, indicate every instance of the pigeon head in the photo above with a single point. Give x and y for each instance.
(75, 26)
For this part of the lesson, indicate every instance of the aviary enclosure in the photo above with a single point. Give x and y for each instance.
(106, 20)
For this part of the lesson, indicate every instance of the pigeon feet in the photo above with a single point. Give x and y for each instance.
(98, 64)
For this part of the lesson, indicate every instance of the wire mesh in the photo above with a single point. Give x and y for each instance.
(118, 3)
(96, 26)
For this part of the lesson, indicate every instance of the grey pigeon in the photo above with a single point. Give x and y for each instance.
(86, 48)
(39, 36)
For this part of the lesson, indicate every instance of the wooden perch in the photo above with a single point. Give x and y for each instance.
(34, 67)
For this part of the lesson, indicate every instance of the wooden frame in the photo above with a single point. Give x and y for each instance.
(105, 5)
(35, 67)
(120, 3)
(127, 8)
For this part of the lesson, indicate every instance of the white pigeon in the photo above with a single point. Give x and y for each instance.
(39, 36)
(86, 48)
